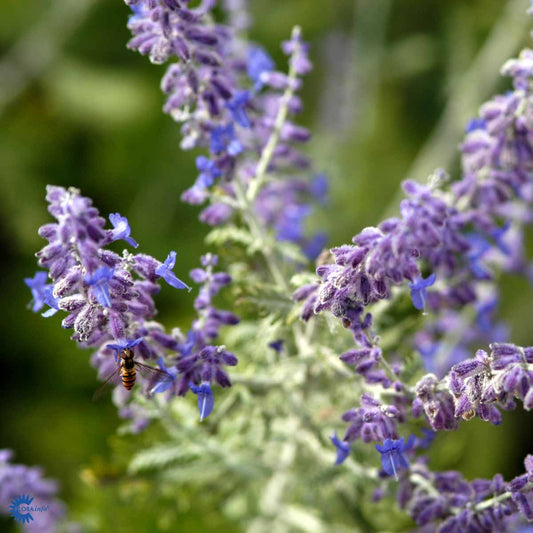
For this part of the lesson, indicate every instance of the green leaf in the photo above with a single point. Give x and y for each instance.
(231, 233)
(159, 457)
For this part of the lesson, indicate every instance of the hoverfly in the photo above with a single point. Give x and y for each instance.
(126, 372)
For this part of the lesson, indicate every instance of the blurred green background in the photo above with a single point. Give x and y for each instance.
(393, 85)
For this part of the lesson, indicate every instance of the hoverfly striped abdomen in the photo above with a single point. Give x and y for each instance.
(128, 369)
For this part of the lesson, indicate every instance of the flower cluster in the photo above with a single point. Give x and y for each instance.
(199, 364)
(17, 480)
(233, 102)
(445, 502)
(108, 297)
(479, 384)
(110, 305)
(456, 235)
(445, 248)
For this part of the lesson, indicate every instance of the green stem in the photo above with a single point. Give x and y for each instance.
(281, 117)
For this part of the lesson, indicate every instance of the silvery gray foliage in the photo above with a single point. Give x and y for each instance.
(310, 346)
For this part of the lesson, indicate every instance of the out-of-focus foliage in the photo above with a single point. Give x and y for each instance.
(91, 117)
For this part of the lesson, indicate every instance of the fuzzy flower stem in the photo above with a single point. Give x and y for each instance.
(388, 369)
(281, 117)
(424, 484)
(258, 231)
(486, 504)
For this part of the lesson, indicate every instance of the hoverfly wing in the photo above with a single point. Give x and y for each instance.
(154, 376)
(113, 379)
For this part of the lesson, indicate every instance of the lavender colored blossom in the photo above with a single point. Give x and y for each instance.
(366, 362)
(453, 504)
(207, 365)
(124, 344)
(206, 91)
(209, 172)
(299, 52)
(489, 381)
(108, 298)
(436, 403)
(373, 421)
(216, 214)
(164, 385)
(198, 364)
(432, 229)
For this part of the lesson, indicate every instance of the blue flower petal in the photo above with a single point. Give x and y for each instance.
(121, 229)
(100, 284)
(237, 108)
(165, 271)
(51, 301)
(258, 62)
(223, 139)
(206, 400)
(39, 289)
(165, 384)
(343, 449)
(418, 290)
(123, 345)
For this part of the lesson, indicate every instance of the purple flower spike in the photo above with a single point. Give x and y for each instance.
(165, 271)
(39, 290)
(121, 229)
(343, 449)
(206, 401)
(418, 290)
(392, 456)
(100, 284)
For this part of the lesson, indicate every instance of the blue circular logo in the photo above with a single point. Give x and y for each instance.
(18, 508)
